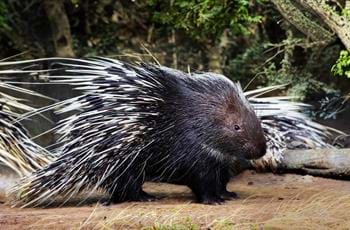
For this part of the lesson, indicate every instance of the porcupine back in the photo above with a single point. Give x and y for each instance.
(137, 123)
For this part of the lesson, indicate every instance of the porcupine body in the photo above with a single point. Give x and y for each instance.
(146, 123)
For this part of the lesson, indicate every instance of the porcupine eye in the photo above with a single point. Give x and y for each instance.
(237, 127)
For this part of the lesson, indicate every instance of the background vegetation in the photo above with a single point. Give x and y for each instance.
(264, 42)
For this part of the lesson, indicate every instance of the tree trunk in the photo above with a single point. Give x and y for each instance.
(216, 55)
(61, 34)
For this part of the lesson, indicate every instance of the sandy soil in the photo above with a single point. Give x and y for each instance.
(266, 201)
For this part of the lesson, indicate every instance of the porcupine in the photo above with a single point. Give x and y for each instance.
(138, 123)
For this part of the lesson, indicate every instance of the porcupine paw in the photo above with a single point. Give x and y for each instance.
(212, 200)
(229, 195)
(105, 202)
(144, 196)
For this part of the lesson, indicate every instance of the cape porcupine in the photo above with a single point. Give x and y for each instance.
(138, 123)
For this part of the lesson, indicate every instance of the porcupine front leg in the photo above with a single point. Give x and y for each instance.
(206, 187)
(225, 178)
(227, 195)
(211, 188)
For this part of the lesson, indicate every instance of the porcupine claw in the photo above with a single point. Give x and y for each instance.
(212, 200)
(144, 196)
(229, 195)
(105, 203)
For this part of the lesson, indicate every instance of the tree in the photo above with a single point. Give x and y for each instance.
(294, 12)
(40, 28)
(60, 28)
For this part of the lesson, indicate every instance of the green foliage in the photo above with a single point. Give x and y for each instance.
(3, 16)
(203, 18)
(342, 66)
(75, 2)
(247, 65)
(302, 84)
(346, 13)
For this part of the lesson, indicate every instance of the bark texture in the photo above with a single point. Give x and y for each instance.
(294, 12)
(307, 26)
(339, 24)
(331, 163)
(60, 28)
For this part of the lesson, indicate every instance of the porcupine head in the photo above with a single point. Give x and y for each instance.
(235, 126)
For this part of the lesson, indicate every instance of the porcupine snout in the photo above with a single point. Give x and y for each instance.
(254, 151)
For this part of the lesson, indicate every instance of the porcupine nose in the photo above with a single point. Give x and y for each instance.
(255, 151)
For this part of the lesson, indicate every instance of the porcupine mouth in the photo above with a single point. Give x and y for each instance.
(251, 153)
(257, 156)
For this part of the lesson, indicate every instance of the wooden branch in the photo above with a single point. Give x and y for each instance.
(337, 23)
(296, 17)
(331, 163)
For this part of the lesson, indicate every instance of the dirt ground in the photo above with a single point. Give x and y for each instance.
(266, 201)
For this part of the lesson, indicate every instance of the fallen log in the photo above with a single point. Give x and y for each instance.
(330, 163)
